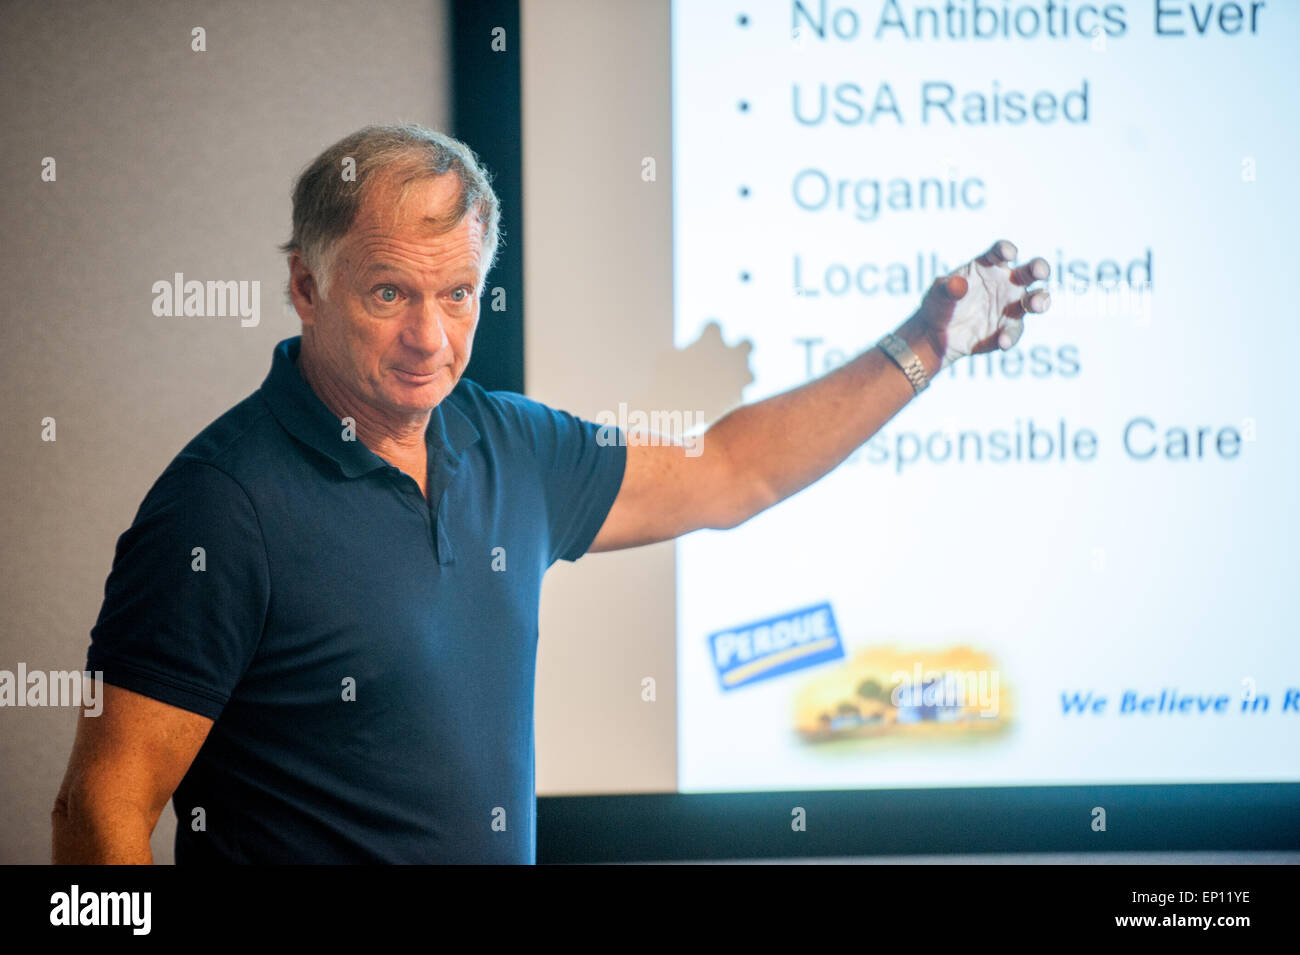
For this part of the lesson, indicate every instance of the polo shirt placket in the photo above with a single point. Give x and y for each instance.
(308, 419)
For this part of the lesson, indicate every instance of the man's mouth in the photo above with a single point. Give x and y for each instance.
(415, 378)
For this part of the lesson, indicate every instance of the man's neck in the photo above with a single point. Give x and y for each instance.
(395, 440)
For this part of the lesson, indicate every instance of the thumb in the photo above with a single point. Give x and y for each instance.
(950, 287)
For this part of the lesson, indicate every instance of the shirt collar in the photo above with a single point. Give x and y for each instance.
(306, 417)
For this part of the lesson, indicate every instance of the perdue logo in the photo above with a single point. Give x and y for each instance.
(781, 644)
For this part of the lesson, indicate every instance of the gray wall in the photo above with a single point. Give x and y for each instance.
(608, 620)
(168, 161)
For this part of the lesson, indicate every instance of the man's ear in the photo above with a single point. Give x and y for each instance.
(303, 291)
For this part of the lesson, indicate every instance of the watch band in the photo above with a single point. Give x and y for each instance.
(906, 359)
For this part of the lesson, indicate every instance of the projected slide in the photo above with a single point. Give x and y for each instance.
(1071, 562)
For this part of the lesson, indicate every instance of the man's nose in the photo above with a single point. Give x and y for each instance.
(426, 331)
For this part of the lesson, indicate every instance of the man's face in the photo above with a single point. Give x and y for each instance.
(396, 330)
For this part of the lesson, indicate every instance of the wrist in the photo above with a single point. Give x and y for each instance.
(922, 340)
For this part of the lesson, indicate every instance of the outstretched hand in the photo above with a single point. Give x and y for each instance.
(981, 306)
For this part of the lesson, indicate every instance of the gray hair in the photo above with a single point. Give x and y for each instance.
(325, 204)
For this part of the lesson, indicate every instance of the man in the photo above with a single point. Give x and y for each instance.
(319, 634)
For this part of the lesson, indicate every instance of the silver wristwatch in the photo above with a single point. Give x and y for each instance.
(906, 359)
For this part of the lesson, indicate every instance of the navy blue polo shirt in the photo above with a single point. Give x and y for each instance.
(368, 655)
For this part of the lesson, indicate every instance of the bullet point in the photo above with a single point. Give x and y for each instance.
(743, 20)
(744, 192)
(744, 106)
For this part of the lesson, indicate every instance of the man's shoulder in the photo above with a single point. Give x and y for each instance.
(498, 412)
(475, 400)
(509, 416)
(240, 442)
(510, 407)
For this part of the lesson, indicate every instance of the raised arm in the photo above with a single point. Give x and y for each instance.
(760, 454)
(125, 765)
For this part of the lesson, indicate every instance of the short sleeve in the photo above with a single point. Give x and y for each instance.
(583, 477)
(186, 600)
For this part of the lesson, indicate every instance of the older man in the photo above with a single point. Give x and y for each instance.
(319, 634)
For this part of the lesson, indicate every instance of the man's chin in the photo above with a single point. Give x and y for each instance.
(414, 398)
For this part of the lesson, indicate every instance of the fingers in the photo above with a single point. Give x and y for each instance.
(1035, 270)
(1012, 329)
(999, 252)
(1037, 300)
(1004, 252)
(1034, 300)
(1004, 338)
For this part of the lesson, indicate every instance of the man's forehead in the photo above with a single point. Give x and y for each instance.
(402, 226)
(465, 240)
(377, 263)
(392, 203)
(422, 230)
(376, 245)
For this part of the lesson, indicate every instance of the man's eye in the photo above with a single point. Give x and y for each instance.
(467, 290)
(387, 294)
